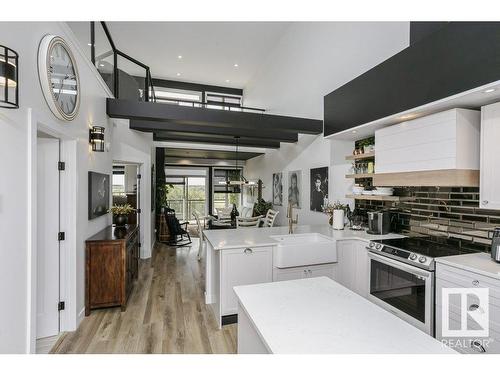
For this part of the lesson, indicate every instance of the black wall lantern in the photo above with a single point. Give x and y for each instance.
(9, 78)
(96, 138)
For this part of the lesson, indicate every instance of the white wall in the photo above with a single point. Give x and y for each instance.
(135, 147)
(17, 227)
(310, 61)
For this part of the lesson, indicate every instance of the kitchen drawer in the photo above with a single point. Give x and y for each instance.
(491, 344)
(466, 279)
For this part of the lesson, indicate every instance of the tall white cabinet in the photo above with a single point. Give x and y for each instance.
(353, 266)
(490, 157)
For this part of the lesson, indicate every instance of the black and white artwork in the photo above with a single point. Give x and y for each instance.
(319, 188)
(98, 194)
(295, 188)
(278, 189)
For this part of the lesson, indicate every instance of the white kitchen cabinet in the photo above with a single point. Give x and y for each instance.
(352, 269)
(442, 141)
(489, 192)
(293, 273)
(243, 267)
(453, 277)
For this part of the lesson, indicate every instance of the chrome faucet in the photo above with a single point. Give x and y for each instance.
(291, 220)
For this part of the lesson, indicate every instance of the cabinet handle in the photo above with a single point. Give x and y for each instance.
(475, 282)
(476, 345)
(248, 251)
(473, 307)
(485, 202)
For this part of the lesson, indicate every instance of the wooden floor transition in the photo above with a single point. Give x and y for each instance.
(166, 313)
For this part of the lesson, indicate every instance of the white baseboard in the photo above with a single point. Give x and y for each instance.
(209, 299)
(80, 317)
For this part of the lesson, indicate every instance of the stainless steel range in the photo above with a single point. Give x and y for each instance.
(402, 276)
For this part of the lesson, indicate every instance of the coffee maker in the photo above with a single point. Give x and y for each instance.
(495, 245)
(379, 222)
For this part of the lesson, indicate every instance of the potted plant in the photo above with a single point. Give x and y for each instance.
(336, 213)
(261, 207)
(366, 145)
(120, 214)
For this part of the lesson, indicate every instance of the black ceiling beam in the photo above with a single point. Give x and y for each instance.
(190, 86)
(216, 140)
(135, 110)
(155, 126)
(208, 154)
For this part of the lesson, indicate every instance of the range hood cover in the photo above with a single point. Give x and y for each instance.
(456, 58)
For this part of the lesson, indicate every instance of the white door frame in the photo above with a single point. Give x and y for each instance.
(67, 215)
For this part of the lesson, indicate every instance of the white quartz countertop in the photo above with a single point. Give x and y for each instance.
(318, 315)
(221, 239)
(480, 263)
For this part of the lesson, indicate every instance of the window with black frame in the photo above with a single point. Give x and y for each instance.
(225, 194)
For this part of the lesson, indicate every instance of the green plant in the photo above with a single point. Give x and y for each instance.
(365, 142)
(123, 209)
(162, 191)
(261, 207)
(335, 206)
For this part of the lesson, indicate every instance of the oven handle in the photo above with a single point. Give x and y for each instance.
(400, 265)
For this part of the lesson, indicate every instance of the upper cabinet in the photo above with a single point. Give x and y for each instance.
(443, 147)
(446, 140)
(490, 157)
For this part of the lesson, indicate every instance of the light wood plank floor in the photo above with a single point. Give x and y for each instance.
(166, 313)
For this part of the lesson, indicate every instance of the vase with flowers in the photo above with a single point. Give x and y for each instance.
(120, 214)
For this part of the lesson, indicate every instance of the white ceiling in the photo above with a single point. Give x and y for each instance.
(209, 50)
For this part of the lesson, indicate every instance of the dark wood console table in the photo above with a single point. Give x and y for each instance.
(111, 266)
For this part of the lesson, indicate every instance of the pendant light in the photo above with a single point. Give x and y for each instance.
(9, 78)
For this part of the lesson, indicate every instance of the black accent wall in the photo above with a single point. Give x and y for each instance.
(420, 30)
(456, 58)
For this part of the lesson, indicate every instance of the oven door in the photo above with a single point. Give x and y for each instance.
(404, 290)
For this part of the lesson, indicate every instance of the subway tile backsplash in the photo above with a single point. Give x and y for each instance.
(451, 212)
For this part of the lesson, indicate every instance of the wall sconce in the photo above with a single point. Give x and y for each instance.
(9, 78)
(96, 138)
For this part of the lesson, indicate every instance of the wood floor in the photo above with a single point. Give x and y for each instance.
(166, 313)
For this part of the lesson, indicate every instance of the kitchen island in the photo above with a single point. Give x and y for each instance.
(257, 255)
(320, 316)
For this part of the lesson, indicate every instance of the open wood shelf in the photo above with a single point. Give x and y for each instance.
(391, 198)
(360, 175)
(368, 155)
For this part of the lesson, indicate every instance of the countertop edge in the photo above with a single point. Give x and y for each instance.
(448, 261)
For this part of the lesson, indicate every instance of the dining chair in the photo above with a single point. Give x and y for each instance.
(270, 218)
(200, 234)
(242, 222)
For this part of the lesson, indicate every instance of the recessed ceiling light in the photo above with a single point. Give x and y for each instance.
(235, 65)
(101, 64)
(179, 57)
(408, 116)
(178, 74)
(354, 132)
(227, 81)
(89, 44)
(489, 90)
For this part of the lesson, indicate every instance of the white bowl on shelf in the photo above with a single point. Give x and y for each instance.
(357, 190)
(367, 192)
(383, 191)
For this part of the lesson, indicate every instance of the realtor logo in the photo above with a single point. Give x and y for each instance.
(467, 315)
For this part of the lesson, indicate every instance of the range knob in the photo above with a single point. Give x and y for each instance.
(422, 259)
(413, 256)
(378, 246)
(372, 244)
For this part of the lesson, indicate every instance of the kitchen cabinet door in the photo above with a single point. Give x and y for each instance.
(327, 270)
(243, 267)
(489, 192)
(284, 274)
(346, 254)
(362, 273)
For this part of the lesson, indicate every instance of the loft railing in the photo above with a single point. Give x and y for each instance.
(121, 72)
